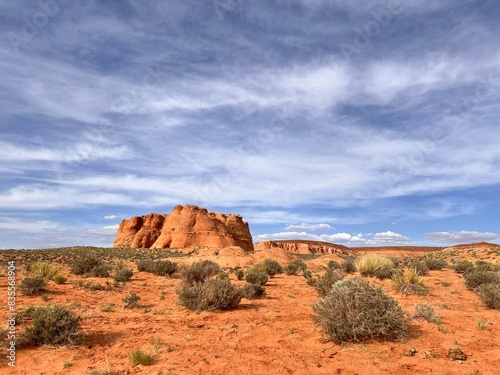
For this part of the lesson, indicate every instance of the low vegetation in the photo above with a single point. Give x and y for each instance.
(374, 265)
(216, 294)
(200, 271)
(272, 267)
(426, 312)
(355, 309)
(43, 269)
(89, 266)
(409, 282)
(51, 325)
(123, 275)
(32, 285)
(139, 357)
(295, 267)
(489, 293)
(324, 283)
(158, 267)
(478, 276)
(257, 275)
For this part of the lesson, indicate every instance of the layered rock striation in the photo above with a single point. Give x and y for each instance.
(304, 247)
(185, 226)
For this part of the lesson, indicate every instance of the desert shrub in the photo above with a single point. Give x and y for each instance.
(217, 294)
(252, 291)
(164, 268)
(385, 273)
(32, 285)
(138, 357)
(370, 264)
(91, 285)
(334, 265)
(52, 325)
(323, 284)
(272, 267)
(131, 300)
(257, 275)
(308, 276)
(223, 275)
(420, 267)
(355, 309)
(477, 276)
(409, 282)
(463, 266)
(482, 265)
(100, 271)
(489, 293)
(119, 264)
(43, 269)
(348, 265)
(198, 272)
(295, 267)
(59, 279)
(239, 274)
(426, 312)
(145, 265)
(436, 263)
(85, 265)
(123, 274)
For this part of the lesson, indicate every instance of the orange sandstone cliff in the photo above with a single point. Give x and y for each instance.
(304, 247)
(185, 226)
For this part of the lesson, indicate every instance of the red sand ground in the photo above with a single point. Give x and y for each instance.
(273, 335)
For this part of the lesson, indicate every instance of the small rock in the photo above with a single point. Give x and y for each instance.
(410, 352)
(456, 354)
(431, 354)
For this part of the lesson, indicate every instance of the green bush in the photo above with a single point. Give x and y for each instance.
(217, 294)
(200, 271)
(272, 267)
(295, 267)
(252, 291)
(239, 274)
(355, 309)
(32, 285)
(138, 357)
(477, 276)
(409, 282)
(420, 267)
(123, 274)
(372, 264)
(159, 267)
(164, 268)
(489, 293)
(100, 271)
(436, 263)
(257, 275)
(85, 265)
(52, 325)
(323, 284)
(59, 279)
(131, 300)
(463, 266)
(426, 312)
(334, 265)
(348, 265)
(43, 269)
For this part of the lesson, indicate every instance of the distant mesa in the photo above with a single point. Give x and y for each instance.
(304, 247)
(185, 226)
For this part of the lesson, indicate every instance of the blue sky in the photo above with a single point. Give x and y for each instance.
(355, 122)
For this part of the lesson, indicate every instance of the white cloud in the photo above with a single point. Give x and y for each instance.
(109, 217)
(305, 226)
(462, 236)
(391, 238)
(360, 239)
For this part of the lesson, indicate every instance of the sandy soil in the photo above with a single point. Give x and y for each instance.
(273, 335)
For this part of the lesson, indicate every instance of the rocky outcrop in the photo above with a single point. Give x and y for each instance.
(185, 226)
(304, 247)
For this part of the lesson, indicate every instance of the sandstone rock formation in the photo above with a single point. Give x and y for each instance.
(185, 226)
(304, 247)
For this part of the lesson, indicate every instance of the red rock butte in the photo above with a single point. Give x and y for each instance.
(185, 226)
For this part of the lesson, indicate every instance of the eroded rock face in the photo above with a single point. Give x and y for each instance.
(304, 247)
(185, 226)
